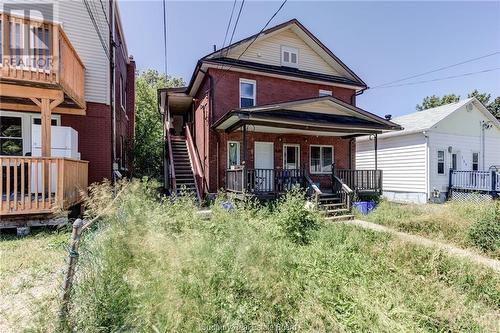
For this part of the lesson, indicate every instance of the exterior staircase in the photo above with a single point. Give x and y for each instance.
(184, 175)
(334, 208)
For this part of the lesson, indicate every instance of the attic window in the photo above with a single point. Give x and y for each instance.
(289, 56)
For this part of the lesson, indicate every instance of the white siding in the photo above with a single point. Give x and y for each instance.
(76, 23)
(402, 159)
(268, 51)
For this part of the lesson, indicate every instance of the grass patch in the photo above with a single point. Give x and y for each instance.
(154, 265)
(30, 279)
(467, 225)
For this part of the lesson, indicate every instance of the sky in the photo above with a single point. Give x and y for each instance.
(380, 41)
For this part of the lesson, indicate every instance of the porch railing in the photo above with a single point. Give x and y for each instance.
(263, 181)
(39, 52)
(360, 180)
(485, 181)
(343, 190)
(35, 185)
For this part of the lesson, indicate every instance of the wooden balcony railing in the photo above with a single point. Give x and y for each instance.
(263, 181)
(40, 185)
(360, 180)
(40, 53)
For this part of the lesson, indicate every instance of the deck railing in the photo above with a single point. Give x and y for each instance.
(263, 181)
(486, 181)
(360, 180)
(39, 52)
(38, 185)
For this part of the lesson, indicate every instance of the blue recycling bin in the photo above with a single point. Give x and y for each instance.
(364, 207)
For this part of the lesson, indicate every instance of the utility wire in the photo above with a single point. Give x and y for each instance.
(253, 40)
(436, 70)
(438, 79)
(229, 24)
(235, 25)
(105, 15)
(96, 27)
(165, 36)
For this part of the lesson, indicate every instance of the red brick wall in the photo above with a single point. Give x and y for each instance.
(94, 138)
(340, 146)
(212, 147)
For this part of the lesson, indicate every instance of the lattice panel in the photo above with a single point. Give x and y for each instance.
(478, 197)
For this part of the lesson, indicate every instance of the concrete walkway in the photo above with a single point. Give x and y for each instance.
(419, 240)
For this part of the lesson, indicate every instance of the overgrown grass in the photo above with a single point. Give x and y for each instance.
(30, 280)
(467, 225)
(154, 265)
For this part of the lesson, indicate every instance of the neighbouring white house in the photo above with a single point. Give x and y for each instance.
(416, 161)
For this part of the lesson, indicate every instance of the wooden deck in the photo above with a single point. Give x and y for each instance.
(480, 182)
(50, 62)
(40, 185)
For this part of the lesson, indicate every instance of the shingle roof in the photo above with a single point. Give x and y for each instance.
(424, 120)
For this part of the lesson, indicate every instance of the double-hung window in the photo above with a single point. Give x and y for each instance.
(233, 153)
(247, 93)
(289, 56)
(475, 161)
(11, 136)
(321, 159)
(440, 162)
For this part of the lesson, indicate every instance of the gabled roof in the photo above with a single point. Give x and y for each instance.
(424, 120)
(349, 77)
(323, 114)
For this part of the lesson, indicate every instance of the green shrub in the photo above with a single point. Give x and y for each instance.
(485, 232)
(294, 219)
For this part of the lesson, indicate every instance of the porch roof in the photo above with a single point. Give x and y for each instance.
(326, 116)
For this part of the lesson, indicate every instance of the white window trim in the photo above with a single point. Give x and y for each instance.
(320, 159)
(252, 82)
(323, 93)
(284, 152)
(290, 50)
(444, 162)
(238, 160)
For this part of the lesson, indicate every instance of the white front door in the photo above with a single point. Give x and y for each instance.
(264, 166)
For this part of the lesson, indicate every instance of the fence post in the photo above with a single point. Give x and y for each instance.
(494, 193)
(70, 272)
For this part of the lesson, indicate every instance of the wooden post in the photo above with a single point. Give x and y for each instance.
(494, 192)
(376, 148)
(70, 272)
(46, 130)
(5, 39)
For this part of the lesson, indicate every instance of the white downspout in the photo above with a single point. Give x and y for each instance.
(427, 165)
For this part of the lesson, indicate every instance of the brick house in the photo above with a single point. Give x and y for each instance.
(265, 113)
(65, 120)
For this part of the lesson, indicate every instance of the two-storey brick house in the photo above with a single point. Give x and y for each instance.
(265, 113)
(66, 103)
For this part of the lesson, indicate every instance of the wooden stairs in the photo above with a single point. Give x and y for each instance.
(334, 208)
(184, 175)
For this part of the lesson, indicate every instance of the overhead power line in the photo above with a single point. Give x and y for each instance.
(439, 79)
(436, 70)
(96, 27)
(235, 25)
(229, 24)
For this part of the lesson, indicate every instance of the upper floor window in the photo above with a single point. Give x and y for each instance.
(247, 93)
(123, 94)
(325, 93)
(289, 56)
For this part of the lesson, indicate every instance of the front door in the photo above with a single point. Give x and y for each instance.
(264, 166)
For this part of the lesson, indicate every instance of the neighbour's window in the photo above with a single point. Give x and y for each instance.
(247, 93)
(291, 156)
(11, 136)
(440, 155)
(454, 161)
(233, 153)
(38, 121)
(321, 159)
(123, 94)
(323, 93)
(475, 161)
(289, 56)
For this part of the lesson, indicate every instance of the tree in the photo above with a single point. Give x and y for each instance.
(148, 142)
(435, 101)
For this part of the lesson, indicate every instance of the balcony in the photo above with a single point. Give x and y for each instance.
(38, 61)
(40, 185)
